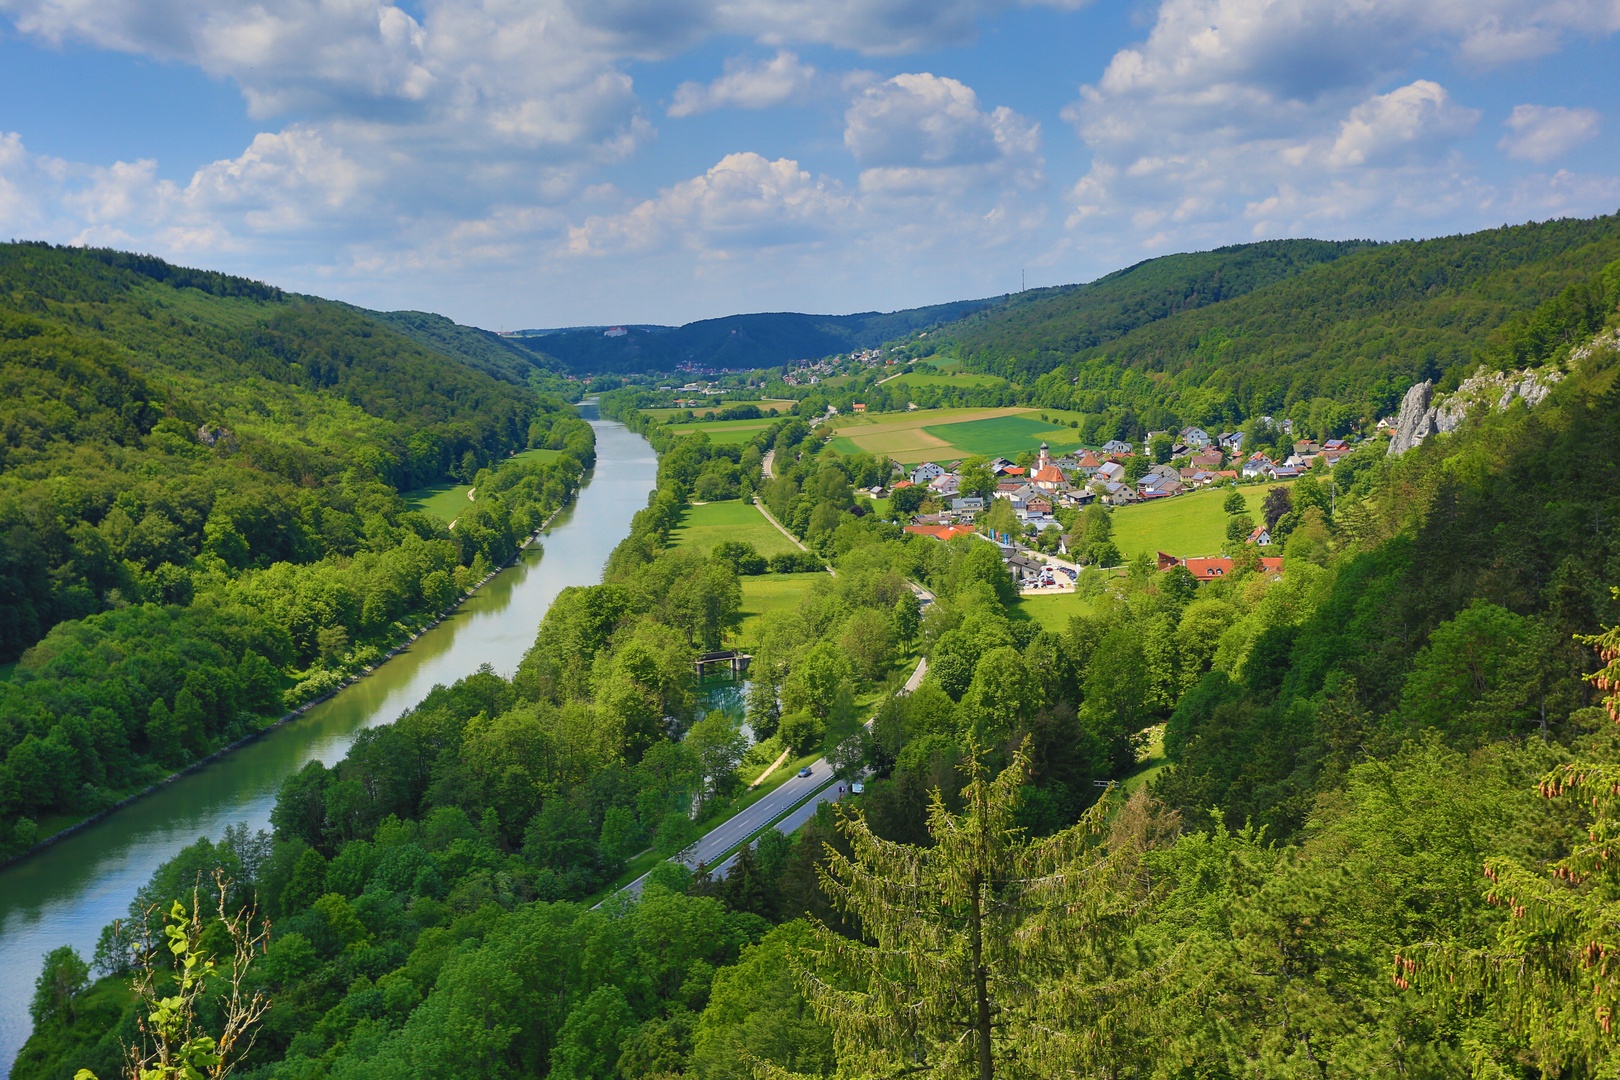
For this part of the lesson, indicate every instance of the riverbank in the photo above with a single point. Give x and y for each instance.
(259, 733)
(66, 892)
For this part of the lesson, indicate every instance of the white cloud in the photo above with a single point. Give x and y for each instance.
(781, 80)
(743, 203)
(922, 132)
(1540, 133)
(1290, 116)
(1401, 127)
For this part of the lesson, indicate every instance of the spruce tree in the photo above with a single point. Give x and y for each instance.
(982, 960)
(1551, 978)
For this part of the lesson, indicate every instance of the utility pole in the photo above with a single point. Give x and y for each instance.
(1020, 279)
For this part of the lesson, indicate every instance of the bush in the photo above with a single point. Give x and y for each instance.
(795, 562)
(801, 731)
(740, 555)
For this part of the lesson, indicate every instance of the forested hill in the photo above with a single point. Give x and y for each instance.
(504, 358)
(1060, 322)
(1334, 344)
(200, 509)
(740, 341)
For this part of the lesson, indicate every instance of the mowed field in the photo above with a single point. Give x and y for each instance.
(919, 378)
(765, 593)
(1054, 612)
(704, 526)
(1006, 436)
(1184, 526)
(948, 434)
(726, 431)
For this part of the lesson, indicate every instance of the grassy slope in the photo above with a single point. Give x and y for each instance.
(917, 378)
(707, 525)
(1185, 525)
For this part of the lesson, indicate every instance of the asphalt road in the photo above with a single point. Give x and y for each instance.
(817, 788)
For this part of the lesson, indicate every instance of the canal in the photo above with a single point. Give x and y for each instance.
(65, 894)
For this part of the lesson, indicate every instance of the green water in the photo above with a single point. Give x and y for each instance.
(68, 892)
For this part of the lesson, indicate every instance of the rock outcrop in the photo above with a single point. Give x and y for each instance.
(1423, 415)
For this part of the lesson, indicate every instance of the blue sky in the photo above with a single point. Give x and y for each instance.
(517, 163)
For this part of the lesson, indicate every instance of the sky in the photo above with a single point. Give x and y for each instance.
(541, 163)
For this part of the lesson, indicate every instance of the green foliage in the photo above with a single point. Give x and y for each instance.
(61, 980)
(199, 509)
(1329, 335)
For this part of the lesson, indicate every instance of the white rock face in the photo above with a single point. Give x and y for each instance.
(1415, 421)
(1422, 416)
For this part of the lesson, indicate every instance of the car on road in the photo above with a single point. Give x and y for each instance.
(805, 771)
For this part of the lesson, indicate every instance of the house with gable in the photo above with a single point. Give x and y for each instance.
(1115, 446)
(925, 472)
(1257, 465)
(1111, 473)
(1210, 460)
(1261, 537)
(1088, 464)
(1195, 437)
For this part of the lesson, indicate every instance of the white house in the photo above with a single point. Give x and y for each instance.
(926, 472)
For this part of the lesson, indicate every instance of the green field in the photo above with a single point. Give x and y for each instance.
(449, 499)
(765, 593)
(1004, 436)
(918, 378)
(704, 526)
(725, 431)
(1185, 525)
(1054, 612)
(931, 434)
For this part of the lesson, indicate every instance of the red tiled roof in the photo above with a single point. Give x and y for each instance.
(898, 484)
(1049, 475)
(939, 532)
(1209, 569)
(1014, 470)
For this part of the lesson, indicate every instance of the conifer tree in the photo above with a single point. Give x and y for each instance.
(1552, 976)
(983, 962)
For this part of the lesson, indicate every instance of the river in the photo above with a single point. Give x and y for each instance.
(65, 894)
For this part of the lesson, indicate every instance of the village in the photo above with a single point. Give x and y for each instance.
(1041, 495)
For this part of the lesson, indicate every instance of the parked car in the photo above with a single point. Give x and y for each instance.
(1072, 575)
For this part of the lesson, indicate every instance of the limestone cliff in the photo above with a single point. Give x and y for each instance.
(1423, 415)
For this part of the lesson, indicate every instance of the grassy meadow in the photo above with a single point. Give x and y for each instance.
(1186, 525)
(707, 525)
(765, 593)
(1054, 612)
(957, 379)
(449, 499)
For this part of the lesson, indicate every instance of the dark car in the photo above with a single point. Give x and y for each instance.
(805, 771)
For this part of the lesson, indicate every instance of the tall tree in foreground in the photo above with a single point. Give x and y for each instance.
(984, 961)
(1552, 977)
(172, 1001)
